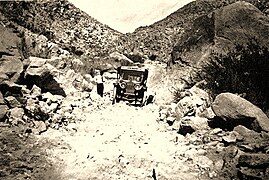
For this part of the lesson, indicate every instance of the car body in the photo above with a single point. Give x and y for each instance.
(131, 84)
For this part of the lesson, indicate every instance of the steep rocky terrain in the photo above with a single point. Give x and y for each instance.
(220, 31)
(62, 25)
(53, 125)
(157, 40)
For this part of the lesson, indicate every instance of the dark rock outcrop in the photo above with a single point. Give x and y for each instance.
(10, 55)
(254, 160)
(2, 101)
(3, 111)
(220, 31)
(9, 44)
(235, 110)
(11, 68)
(253, 166)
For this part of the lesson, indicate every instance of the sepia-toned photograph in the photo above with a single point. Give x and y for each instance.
(134, 90)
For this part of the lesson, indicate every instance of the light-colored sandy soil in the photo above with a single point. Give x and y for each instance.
(122, 142)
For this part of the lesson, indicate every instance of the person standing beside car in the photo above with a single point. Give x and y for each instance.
(100, 83)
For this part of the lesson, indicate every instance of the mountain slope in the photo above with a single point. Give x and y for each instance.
(157, 40)
(63, 24)
(70, 29)
(220, 31)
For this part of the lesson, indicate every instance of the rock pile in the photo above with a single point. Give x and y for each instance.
(39, 107)
(232, 131)
(187, 114)
(40, 92)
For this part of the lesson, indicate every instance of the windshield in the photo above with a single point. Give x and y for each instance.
(132, 75)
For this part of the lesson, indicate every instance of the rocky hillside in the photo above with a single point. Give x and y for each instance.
(59, 24)
(62, 24)
(220, 31)
(157, 40)
(45, 46)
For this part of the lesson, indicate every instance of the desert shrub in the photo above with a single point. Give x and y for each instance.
(245, 71)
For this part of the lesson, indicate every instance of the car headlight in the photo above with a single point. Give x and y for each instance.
(138, 87)
(123, 85)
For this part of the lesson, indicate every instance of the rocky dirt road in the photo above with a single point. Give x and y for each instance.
(120, 142)
(106, 141)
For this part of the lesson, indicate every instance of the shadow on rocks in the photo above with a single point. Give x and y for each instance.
(23, 157)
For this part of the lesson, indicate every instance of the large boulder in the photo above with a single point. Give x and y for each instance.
(235, 110)
(9, 43)
(9, 88)
(219, 31)
(44, 75)
(36, 45)
(11, 68)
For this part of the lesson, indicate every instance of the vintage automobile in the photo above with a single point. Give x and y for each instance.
(130, 85)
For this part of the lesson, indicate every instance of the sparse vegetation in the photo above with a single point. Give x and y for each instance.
(244, 70)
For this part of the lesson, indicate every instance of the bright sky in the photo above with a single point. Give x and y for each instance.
(127, 15)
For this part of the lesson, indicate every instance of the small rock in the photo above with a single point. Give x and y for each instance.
(170, 120)
(15, 116)
(243, 131)
(207, 113)
(246, 148)
(53, 107)
(203, 162)
(32, 105)
(16, 113)
(254, 160)
(231, 151)
(216, 131)
(12, 102)
(25, 92)
(192, 124)
(3, 111)
(2, 101)
(40, 127)
(219, 164)
(44, 107)
(77, 64)
(230, 138)
(248, 173)
(35, 91)
(201, 152)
